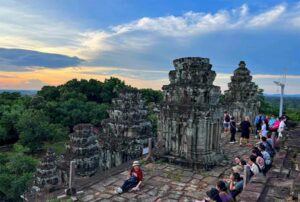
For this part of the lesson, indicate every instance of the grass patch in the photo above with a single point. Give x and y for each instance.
(58, 147)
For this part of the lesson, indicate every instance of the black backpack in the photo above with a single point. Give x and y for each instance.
(227, 118)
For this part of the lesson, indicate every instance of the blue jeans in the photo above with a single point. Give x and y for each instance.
(130, 183)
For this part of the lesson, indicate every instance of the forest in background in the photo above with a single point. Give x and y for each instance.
(31, 124)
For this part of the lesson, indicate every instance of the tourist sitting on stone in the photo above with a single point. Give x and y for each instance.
(224, 194)
(213, 196)
(245, 131)
(238, 168)
(236, 184)
(254, 167)
(268, 146)
(259, 158)
(266, 156)
(270, 140)
(134, 179)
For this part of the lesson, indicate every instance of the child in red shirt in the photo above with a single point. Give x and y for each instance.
(134, 179)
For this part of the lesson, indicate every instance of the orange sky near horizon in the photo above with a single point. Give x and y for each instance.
(34, 80)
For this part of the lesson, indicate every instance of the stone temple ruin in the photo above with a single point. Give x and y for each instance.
(127, 129)
(189, 122)
(241, 96)
(47, 173)
(188, 127)
(83, 148)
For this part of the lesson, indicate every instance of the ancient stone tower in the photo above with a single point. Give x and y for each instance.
(241, 96)
(124, 134)
(47, 173)
(83, 148)
(189, 123)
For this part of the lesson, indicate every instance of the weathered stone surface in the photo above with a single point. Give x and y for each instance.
(83, 148)
(241, 97)
(47, 173)
(124, 134)
(188, 126)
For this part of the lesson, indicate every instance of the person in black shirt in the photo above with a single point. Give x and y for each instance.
(245, 131)
(233, 130)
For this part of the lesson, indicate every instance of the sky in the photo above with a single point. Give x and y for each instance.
(48, 42)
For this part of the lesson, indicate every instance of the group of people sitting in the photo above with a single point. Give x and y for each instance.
(257, 164)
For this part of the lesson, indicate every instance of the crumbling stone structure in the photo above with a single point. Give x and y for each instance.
(83, 148)
(241, 97)
(47, 173)
(189, 121)
(124, 134)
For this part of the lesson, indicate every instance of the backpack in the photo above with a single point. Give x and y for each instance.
(259, 120)
(227, 118)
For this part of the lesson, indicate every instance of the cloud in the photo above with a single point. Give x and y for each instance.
(151, 75)
(31, 84)
(267, 17)
(6, 76)
(144, 42)
(25, 60)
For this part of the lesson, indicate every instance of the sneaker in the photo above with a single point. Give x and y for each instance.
(119, 190)
(231, 142)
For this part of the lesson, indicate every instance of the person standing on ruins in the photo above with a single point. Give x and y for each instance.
(233, 130)
(245, 131)
(258, 123)
(226, 123)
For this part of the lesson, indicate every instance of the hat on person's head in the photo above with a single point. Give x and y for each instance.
(213, 193)
(136, 163)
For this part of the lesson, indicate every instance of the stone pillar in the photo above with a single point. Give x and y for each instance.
(123, 135)
(47, 173)
(241, 97)
(83, 148)
(190, 115)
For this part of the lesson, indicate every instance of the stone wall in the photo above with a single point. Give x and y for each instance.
(189, 120)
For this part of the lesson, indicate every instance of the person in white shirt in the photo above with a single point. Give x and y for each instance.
(281, 127)
(253, 165)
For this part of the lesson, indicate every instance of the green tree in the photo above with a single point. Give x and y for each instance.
(34, 129)
(151, 95)
(110, 88)
(16, 171)
(49, 93)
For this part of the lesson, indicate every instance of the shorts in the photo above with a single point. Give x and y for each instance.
(245, 135)
(226, 125)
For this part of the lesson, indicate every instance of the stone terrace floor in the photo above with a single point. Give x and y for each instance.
(168, 182)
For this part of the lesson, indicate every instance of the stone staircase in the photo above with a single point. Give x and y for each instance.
(282, 183)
